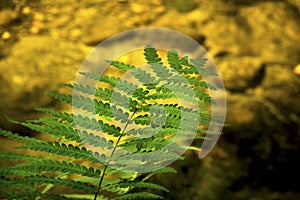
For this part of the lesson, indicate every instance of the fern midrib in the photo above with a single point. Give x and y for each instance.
(110, 158)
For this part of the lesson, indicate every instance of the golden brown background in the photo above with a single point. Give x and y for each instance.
(255, 44)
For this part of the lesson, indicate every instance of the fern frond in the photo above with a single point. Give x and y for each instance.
(90, 105)
(140, 94)
(65, 150)
(149, 143)
(61, 97)
(19, 157)
(16, 136)
(145, 156)
(161, 71)
(138, 195)
(98, 125)
(183, 91)
(120, 65)
(19, 170)
(112, 129)
(34, 194)
(151, 55)
(173, 60)
(126, 86)
(110, 80)
(187, 67)
(58, 131)
(187, 95)
(143, 76)
(86, 103)
(171, 121)
(145, 132)
(90, 75)
(199, 65)
(87, 122)
(61, 116)
(102, 93)
(14, 191)
(134, 185)
(84, 196)
(120, 115)
(96, 141)
(142, 119)
(85, 89)
(197, 82)
(121, 100)
(49, 166)
(138, 124)
(106, 79)
(51, 121)
(55, 181)
(162, 96)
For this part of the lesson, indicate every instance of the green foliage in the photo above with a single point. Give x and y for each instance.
(122, 129)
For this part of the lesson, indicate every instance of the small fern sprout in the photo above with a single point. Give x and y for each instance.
(126, 126)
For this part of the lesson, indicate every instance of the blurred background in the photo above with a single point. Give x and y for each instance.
(254, 43)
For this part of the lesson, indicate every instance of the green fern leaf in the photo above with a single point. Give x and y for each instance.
(134, 185)
(142, 119)
(61, 116)
(110, 80)
(24, 191)
(121, 100)
(102, 93)
(61, 97)
(58, 131)
(161, 71)
(33, 194)
(20, 157)
(143, 76)
(120, 65)
(50, 166)
(138, 195)
(126, 86)
(64, 150)
(199, 65)
(173, 60)
(87, 122)
(96, 141)
(16, 136)
(155, 131)
(55, 181)
(151, 55)
(90, 75)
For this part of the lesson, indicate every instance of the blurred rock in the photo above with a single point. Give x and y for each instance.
(6, 35)
(101, 30)
(240, 73)
(226, 35)
(273, 31)
(282, 87)
(243, 116)
(297, 70)
(264, 124)
(181, 6)
(138, 8)
(295, 2)
(182, 25)
(7, 16)
(209, 178)
(35, 66)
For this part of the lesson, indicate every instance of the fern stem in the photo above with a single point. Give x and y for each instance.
(109, 160)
